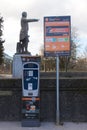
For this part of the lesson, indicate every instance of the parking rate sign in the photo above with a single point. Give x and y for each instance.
(57, 33)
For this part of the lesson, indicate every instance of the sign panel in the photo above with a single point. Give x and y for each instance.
(57, 33)
(30, 108)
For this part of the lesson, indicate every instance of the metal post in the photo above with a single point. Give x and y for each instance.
(57, 91)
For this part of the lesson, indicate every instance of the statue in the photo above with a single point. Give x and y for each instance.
(22, 45)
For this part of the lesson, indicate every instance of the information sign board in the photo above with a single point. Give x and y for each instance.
(57, 33)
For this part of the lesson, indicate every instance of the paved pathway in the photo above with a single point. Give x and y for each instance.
(44, 126)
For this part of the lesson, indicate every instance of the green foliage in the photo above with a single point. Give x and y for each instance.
(1, 53)
(1, 41)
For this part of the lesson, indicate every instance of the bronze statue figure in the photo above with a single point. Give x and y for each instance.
(22, 45)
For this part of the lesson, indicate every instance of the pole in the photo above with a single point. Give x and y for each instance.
(57, 91)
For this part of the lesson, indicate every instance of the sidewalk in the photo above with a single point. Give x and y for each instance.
(44, 126)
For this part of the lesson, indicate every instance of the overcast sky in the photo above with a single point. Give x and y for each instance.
(11, 11)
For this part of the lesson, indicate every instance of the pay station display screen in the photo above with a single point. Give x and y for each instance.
(31, 65)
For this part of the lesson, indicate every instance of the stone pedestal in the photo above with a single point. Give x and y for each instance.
(18, 64)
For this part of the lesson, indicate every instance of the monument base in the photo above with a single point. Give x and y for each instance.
(18, 64)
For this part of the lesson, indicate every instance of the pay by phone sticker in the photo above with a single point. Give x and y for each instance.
(30, 86)
(30, 73)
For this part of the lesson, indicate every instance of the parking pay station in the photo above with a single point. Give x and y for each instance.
(30, 93)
